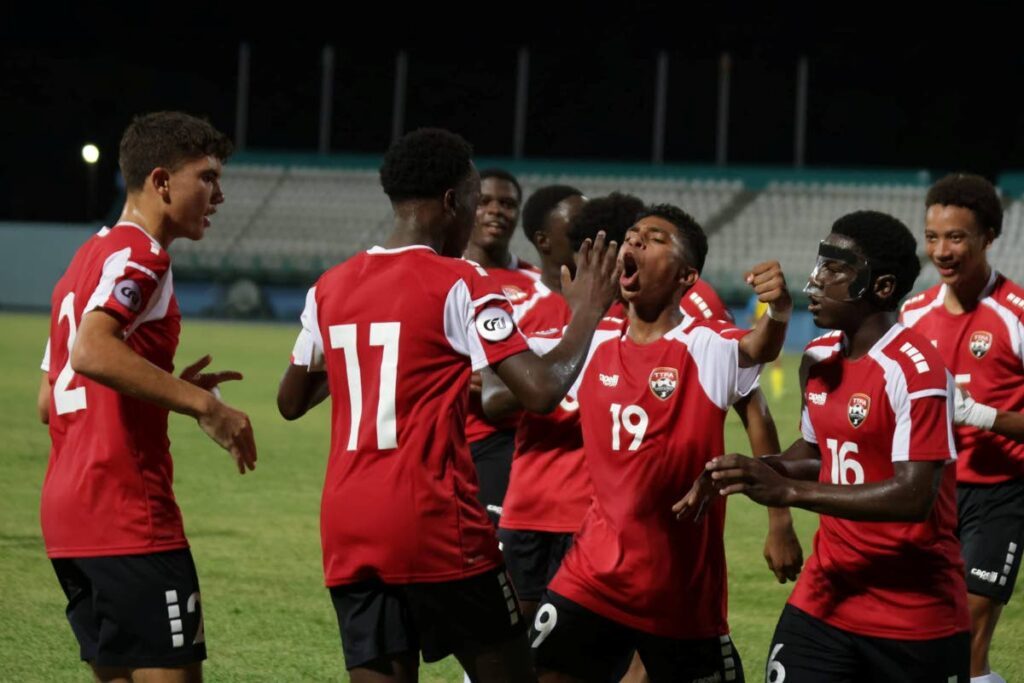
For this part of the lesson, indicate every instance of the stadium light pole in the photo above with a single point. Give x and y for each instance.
(522, 91)
(800, 124)
(660, 106)
(326, 98)
(722, 139)
(91, 155)
(242, 97)
(398, 103)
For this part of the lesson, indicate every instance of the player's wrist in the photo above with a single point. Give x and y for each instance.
(779, 312)
(981, 416)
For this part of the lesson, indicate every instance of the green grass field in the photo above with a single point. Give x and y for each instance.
(255, 537)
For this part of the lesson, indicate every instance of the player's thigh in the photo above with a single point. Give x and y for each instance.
(805, 649)
(192, 673)
(148, 610)
(941, 660)
(570, 640)
(558, 548)
(992, 537)
(468, 616)
(710, 659)
(79, 610)
(526, 556)
(376, 625)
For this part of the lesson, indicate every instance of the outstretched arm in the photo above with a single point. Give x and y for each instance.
(764, 341)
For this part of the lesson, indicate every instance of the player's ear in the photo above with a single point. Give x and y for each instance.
(688, 276)
(160, 180)
(450, 201)
(884, 287)
(541, 241)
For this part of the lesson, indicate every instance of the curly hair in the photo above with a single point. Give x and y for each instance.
(166, 139)
(972, 192)
(424, 164)
(541, 203)
(614, 214)
(888, 245)
(689, 230)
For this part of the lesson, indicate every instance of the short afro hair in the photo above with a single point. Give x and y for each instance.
(887, 244)
(688, 227)
(424, 164)
(502, 174)
(615, 214)
(166, 139)
(973, 192)
(541, 203)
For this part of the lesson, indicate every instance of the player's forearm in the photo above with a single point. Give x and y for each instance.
(109, 361)
(1009, 424)
(905, 497)
(763, 343)
(793, 467)
(757, 421)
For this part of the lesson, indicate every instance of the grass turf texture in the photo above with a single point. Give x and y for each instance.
(255, 537)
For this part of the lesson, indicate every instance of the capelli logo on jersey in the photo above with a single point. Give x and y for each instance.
(980, 343)
(608, 380)
(514, 294)
(857, 409)
(817, 397)
(663, 382)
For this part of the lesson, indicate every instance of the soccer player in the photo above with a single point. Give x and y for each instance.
(110, 523)
(549, 490)
(492, 442)
(653, 400)
(410, 556)
(975, 318)
(882, 598)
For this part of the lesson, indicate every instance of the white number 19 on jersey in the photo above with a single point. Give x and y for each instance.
(381, 334)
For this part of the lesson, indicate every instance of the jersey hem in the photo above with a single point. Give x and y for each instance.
(519, 525)
(401, 579)
(915, 634)
(61, 553)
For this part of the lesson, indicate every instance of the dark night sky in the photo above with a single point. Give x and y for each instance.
(933, 91)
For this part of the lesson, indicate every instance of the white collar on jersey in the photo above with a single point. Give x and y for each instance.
(105, 230)
(398, 250)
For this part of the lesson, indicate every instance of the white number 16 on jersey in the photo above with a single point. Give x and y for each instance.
(381, 334)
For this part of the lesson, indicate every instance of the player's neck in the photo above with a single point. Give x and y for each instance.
(498, 258)
(872, 328)
(551, 274)
(646, 326)
(963, 295)
(149, 220)
(413, 228)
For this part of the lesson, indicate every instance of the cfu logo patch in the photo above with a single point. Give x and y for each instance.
(663, 382)
(514, 294)
(857, 409)
(980, 343)
(494, 324)
(128, 294)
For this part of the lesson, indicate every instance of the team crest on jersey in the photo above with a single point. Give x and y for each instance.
(663, 382)
(514, 294)
(857, 409)
(980, 343)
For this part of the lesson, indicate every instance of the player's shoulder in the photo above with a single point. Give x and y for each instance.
(919, 304)
(822, 347)
(1009, 295)
(723, 329)
(143, 249)
(702, 302)
(912, 355)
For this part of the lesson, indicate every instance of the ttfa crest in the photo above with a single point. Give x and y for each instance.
(980, 343)
(857, 409)
(663, 382)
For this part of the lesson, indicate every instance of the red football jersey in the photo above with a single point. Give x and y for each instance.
(108, 484)
(701, 302)
(984, 349)
(896, 580)
(517, 283)
(399, 332)
(652, 417)
(549, 488)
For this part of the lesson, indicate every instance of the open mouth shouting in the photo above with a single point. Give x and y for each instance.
(629, 281)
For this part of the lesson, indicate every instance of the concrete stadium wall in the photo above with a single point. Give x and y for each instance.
(33, 256)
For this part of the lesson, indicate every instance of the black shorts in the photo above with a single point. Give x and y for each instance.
(492, 456)
(805, 649)
(379, 620)
(570, 639)
(533, 557)
(991, 531)
(135, 610)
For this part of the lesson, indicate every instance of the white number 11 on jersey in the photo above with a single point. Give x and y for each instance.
(381, 334)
